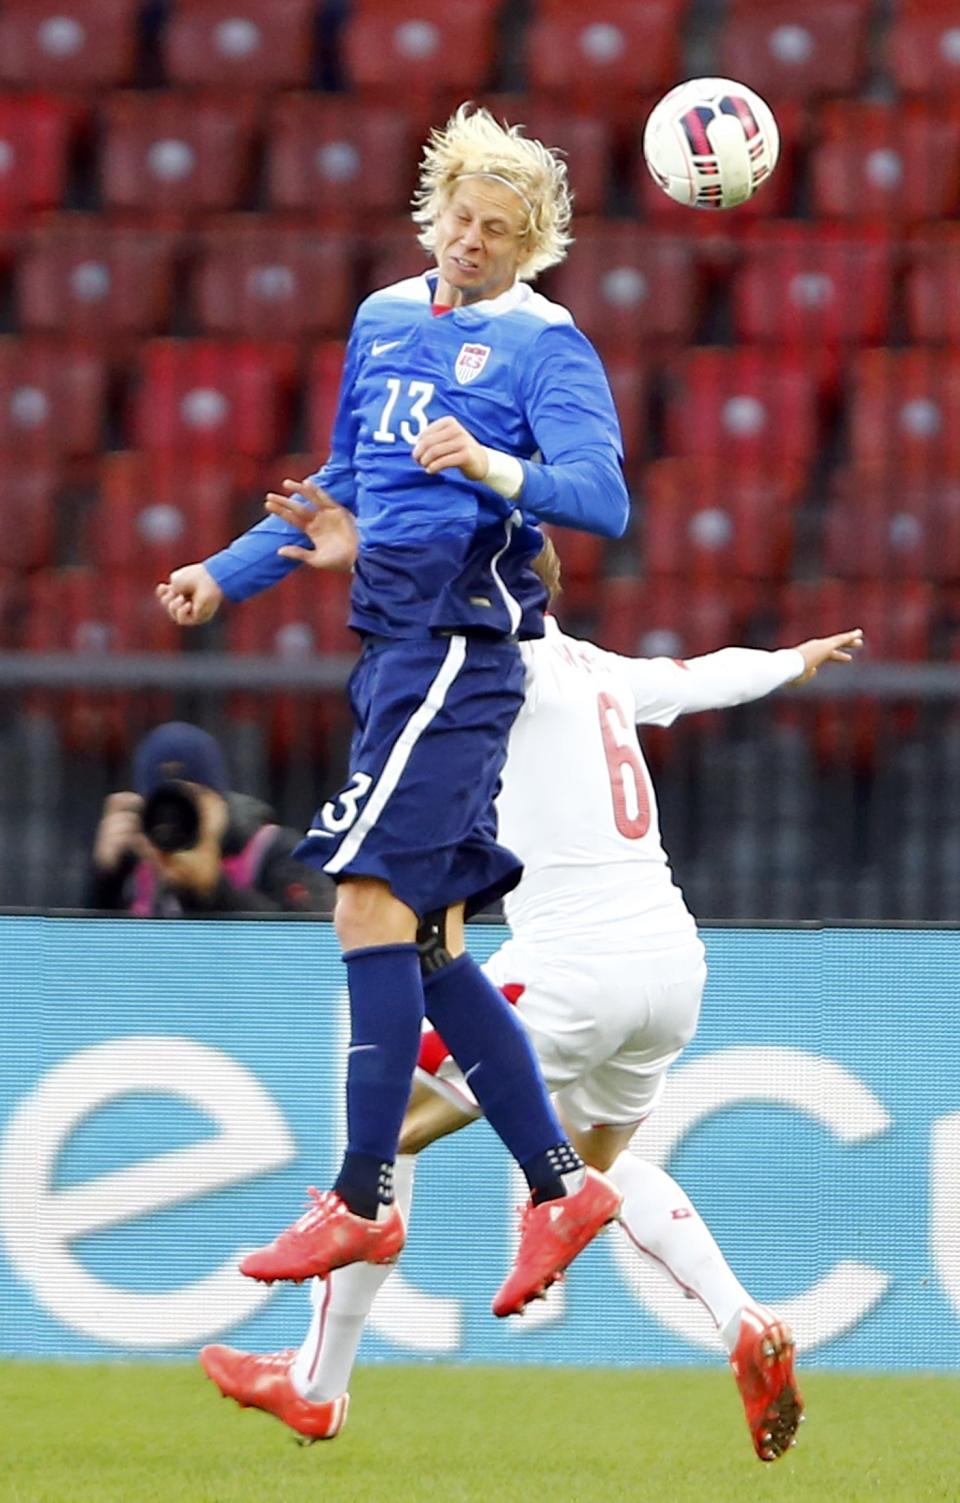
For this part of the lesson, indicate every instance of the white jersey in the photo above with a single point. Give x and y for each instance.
(577, 803)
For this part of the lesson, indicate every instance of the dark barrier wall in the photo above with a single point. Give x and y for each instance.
(167, 1091)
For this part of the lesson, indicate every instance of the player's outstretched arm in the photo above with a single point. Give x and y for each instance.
(191, 596)
(330, 528)
(820, 650)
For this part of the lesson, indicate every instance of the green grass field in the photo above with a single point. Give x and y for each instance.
(135, 1434)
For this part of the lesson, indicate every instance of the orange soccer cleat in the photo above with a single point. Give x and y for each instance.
(327, 1236)
(762, 1363)
(263, 1382)
(551, 1235)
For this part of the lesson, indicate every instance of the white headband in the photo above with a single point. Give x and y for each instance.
(495, 177)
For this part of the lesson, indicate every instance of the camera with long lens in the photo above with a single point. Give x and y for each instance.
(171, 818)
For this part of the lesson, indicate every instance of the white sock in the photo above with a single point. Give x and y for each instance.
(666, 1228)
(341, 1304)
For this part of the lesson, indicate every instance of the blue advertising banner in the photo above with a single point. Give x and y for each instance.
(168, 1090)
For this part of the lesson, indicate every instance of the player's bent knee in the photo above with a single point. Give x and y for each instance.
(368, 913)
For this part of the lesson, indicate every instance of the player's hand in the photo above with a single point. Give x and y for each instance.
(445, 444)
(329, 526)
(190, 596)
(820, 650)
(197, 870)
(120, 832)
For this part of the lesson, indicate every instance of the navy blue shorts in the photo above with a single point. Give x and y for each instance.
(432, 721)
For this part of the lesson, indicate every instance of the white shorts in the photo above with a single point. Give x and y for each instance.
(606, 1028)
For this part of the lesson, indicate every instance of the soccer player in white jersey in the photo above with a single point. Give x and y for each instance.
(607, 972)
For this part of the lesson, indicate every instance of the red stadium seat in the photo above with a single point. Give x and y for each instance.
(52, 398)
(670, 616)
(795, 49)
(930, 288)
(923, 48)
(11, 607)
(172, 153)
(705, 520)
(240, 44)
(896, 623)
(269, 281)
(626, 284)
(323, 392)
(895, 162)
(209, 398)
(880, 527)
(748, 406)
(36, 134)
(585, 140)
(817, 284)
(29, 520)
(155, 512)
(904, 412)
(301, 618)
(393, 254)
(420, 50)
(621, 49)
(332, 156)
(629, 379)
(68, 44)
(79, 275)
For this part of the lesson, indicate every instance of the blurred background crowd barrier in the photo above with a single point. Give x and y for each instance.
(194, 195)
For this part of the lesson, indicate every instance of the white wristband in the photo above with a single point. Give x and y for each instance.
(504, 473)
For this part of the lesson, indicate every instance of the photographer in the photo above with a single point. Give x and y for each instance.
(183, 843)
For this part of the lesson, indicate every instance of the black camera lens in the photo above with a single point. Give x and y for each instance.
(171, 819)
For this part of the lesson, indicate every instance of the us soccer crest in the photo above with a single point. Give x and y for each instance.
(470, 362)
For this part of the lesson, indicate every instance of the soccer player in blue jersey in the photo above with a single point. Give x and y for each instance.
(471, 408)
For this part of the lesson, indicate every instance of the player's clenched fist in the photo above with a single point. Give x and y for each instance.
(445, 444)
(190, 596)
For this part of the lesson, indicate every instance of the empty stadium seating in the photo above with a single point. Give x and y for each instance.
(751, 407)
(52, 398)
(891, 162)
(240, 44)
(268, 281)
(705, 519)
(36, 135)
(332, 157)
(68, 44)
(626, 284)
(155, 512)
(427, 51)
(879, 526)
(795, 48)
(923, 48)
(210, 398)
(814, 284)
(323, 390)
(587, 141)
(931, 282)
(78, 275)
(172, 153)
(617, 52)
(29, 519)
(904, 411)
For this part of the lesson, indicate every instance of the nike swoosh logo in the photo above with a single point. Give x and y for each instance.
(381, 346)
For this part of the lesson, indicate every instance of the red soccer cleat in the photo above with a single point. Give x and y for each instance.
(263, 1382)
(762, 1363)
(551, 1235)
(327, 1236)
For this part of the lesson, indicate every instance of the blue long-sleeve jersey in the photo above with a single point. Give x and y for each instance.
(440, 552)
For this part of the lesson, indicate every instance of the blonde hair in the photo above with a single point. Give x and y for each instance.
(546, 566)
(474, 145)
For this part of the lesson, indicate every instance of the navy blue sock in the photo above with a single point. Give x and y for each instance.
(489, 1043)
(386, 1011)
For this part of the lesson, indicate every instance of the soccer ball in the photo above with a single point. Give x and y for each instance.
(710, 143)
